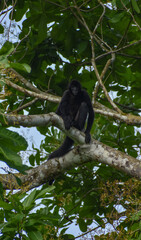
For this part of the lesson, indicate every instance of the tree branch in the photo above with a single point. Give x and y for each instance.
(99, 108)
(92, 37)
(15, 74)
(95, 151)
(128, 11)
(97, 85)
(42, 96)
(100, 18)
(24, 106)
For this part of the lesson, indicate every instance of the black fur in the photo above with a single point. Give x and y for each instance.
(74, 108)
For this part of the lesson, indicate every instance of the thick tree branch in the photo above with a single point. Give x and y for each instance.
(44, 119)
(98, 107)
(95, 151)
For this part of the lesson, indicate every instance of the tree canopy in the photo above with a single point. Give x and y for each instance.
(43, 46)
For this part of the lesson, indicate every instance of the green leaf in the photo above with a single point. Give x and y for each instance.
(21, 66)
(5, 205)
(29, 200)
(1, 29)
(6, 49)
(135, 6)
(42, 33)
(12, 140)
(27, 67)
(35, 235)
(82, 46)
(4, 62)
(82, 225)
(43, 192)
(117, 17)
(10, 145)
(10, 155)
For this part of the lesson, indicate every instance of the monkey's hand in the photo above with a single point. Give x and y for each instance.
(67, 122)
(87, 137)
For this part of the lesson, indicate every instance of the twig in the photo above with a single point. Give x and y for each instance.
(117, 50)
(20, 42)
(100, 19)
(124, 106)
(101, 83)
(50, 80)
(13, 5)
(76, 16)
(90, 9)
(25, 106)
(84, 3)
(130, 56)
(5, 11)
(91, 230)
(125, 33)
(83, 20)
(102, 76)
(56, 4)
(128, 11)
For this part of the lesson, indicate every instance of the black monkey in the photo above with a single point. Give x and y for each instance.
(74, 108)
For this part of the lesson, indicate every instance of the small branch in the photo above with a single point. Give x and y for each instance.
(130, 56)
(24, 106)
(84, 3)
(131, 108)
(102, 76)
(107, 47)
(90, 9)
(48, 97)
(20, 42)
(91, 230)
(127, 118)
(125, 33)
(50, 81)
(100, 19)
(5, 11)
(100, 80)
(117, 50)
(82, 18)
(128, 11)
(56, 4)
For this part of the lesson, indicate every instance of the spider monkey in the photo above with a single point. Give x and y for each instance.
(74, 108)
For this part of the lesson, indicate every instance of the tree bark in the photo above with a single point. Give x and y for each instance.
(95, 151)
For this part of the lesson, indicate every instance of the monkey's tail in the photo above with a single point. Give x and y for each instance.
(63, 149)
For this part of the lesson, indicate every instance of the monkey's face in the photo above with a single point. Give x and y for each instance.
(74, 90)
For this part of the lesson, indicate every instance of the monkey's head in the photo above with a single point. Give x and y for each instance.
(75, 87)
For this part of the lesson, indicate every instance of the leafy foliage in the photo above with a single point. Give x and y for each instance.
(10, 144)
(48, 43)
